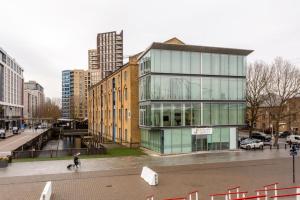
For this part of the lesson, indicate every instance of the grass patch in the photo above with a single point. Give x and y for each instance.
(115, 152)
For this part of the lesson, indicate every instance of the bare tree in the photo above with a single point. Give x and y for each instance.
(284, 84)
(48, 110)
(258, 76)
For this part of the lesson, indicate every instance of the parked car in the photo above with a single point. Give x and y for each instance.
(266, 139)
(2, 133)
(284, 134)
(15, 130)
(293, 139)
(252, 144)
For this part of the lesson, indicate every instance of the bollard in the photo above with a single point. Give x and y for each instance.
(284, 146)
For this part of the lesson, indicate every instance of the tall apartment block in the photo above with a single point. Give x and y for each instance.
(11, 91)
(33, 98)
(93, 59)
(110, 52)
(75, 84)
(67, 92)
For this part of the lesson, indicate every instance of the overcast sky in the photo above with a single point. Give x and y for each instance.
(48, 36)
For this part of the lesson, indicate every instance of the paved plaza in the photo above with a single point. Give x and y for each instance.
(119, 178)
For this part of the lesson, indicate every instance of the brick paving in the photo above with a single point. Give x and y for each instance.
(173, 181)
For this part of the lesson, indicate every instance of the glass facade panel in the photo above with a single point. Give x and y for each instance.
(155, 60)
(233, 65)
(176, 141)
(224, 88)
(186, 88)
(167, 141)
(186, 140)
(241, 114)
(233, 114)
(215, 64)
(196, 114)
(165, 88)
(224, 65)
(206, 88)
(187, 114)
(233, 89)
(223, 114)
(166, 114)
(155, 87)
(156, 114)
(215, 89)
(176, 115)
(206, 114)
(176, 87)
(241, 84)
(195, 88)
(195, 63)
(241, 66)
(165, 61)
(186, 62)
(206, 63)
(176, 62)
(215, 114)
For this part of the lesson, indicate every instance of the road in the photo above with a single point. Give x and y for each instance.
(12, 143)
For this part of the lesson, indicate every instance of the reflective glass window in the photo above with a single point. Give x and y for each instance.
(195, 88)
(186, 88)
(206, 63)
(223, 114)
(166, 114)
(156, 114)
(165, 61)
(195, 63)
(155, 60)
(215, 114)
(233, 89)
(187, 114)
(176, 87)
(206, 114)
(224, 88)
(206, 88)
(196, 114)
(224, 65)
(215, 64)
(165, 91)
(233, 114)
(215, 88)
(186, 62)
(176, 115)
(176, 62)
(233, 65)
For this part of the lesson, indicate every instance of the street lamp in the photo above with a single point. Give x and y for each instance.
(293, 152)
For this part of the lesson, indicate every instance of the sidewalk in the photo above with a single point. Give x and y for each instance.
(103, 164)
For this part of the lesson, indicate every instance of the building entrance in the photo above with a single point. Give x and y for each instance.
(199, 142)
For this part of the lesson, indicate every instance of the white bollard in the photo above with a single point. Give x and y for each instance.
(298, 192)
(150, 176)
(47, 192)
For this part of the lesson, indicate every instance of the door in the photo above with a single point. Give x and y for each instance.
(199, 143)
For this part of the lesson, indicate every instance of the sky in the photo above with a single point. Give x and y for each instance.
(48, 36)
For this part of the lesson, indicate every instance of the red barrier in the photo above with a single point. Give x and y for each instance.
(252, 197)
(285, 195)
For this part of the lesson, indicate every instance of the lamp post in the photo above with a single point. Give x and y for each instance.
(293, 152)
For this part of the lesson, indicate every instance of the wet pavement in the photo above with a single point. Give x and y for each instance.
(103, 164)
(174, 181)
(12, 143)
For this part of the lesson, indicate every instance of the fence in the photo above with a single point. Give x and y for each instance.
(56, 153)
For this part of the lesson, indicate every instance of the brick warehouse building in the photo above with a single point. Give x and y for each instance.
(186, 98)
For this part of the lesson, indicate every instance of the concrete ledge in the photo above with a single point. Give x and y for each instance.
(150, 176)
(47, 192)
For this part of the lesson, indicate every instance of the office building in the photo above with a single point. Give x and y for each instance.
(190, 98)
(33, 99)
(11, 91)
(93, 59)
(110, 52)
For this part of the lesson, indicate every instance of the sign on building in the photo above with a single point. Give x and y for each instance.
(201, 131)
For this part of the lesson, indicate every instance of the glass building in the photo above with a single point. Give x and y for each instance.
(67, 82)
(191, 98)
